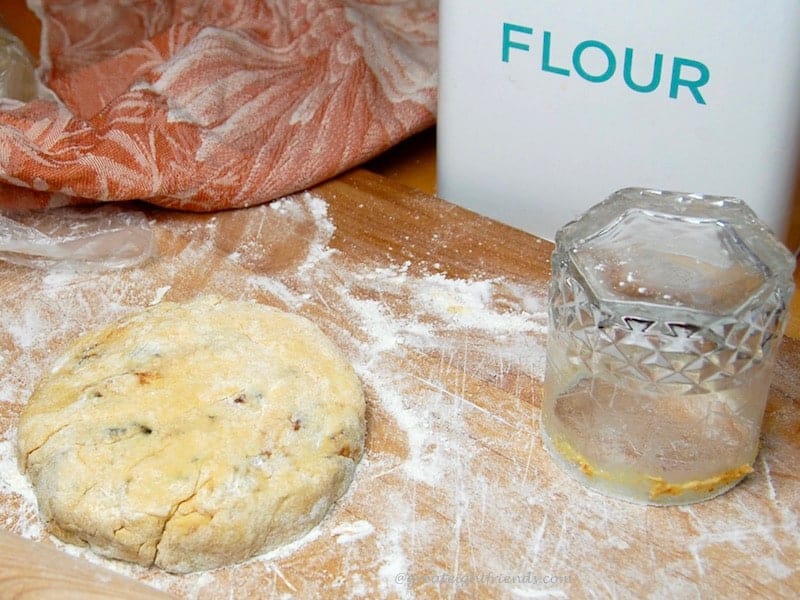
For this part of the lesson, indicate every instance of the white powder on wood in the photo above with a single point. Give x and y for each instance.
(379, 314)
(454, 468)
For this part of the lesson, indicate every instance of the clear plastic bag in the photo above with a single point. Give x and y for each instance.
(18, 78)
(98, 238)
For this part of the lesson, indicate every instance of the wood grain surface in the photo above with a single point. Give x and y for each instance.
(412, 163)
(441, 312)
(32, 570)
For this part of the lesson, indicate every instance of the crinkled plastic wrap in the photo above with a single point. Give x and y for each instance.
(17, 72)
(100, 238)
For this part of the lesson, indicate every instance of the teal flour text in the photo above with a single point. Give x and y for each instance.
(686, 77)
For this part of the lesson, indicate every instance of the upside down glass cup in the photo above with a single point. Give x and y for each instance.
(666, 311)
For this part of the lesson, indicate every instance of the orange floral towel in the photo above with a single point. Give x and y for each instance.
(211, 104)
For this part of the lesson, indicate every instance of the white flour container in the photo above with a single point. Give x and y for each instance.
(547, 107)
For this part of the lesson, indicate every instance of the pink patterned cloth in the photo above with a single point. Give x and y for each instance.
(212, 104)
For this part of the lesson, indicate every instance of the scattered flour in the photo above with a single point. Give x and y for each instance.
(390, 314)
(458, 463)
(160, 293)
(350, 532)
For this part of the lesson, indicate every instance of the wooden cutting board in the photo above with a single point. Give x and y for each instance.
(442, 313)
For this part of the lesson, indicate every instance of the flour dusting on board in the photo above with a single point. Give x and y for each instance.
(387, 312)
(452, 370)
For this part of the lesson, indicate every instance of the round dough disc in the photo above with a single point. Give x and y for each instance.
(193, 435)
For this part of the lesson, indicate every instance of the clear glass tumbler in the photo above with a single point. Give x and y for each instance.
(666, 311)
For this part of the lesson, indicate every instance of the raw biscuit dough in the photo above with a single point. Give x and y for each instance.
(193, 435)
